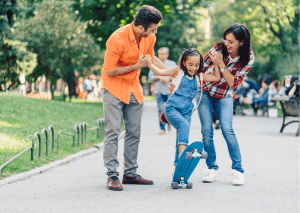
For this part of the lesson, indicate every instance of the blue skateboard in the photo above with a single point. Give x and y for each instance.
(186, 164)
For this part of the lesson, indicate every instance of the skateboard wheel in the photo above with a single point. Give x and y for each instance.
(188, 155)
(189, 185)
(174, 185)
(204, 155)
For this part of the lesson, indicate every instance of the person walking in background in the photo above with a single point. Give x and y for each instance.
(122, 93)
(161, 85)
(234, 58)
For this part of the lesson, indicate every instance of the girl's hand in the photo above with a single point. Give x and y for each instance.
(171, 88)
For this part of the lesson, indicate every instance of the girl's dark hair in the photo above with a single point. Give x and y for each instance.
(146, 16)
(241, 33)
(190, 52)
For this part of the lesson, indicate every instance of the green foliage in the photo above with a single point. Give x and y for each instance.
(21, 117)
(106, 16)
(8, 10)
(289, 65)
(181, 30)
(273, 26)
(25, 60)
(14, 57)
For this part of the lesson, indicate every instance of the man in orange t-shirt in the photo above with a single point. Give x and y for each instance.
(123, 94)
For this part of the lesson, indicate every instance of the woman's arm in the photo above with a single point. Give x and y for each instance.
(234, 80)
(217, 58)
(164, 72)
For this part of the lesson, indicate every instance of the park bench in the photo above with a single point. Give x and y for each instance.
(290, 108)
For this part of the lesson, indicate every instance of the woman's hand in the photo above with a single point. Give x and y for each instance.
(217, 59)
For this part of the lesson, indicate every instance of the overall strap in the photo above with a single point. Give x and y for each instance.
(201, 85)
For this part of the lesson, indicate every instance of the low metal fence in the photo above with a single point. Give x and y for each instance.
(81, 128)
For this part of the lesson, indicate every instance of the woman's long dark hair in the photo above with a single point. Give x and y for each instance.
(241, 33)
(190, 52)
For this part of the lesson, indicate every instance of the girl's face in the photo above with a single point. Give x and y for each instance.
(232, 45)
(192, 64)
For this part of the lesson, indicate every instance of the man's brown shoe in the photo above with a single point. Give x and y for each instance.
(113, 183)
(136, 180)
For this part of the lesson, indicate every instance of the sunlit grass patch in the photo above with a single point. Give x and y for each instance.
(12, 144)
(7, 124)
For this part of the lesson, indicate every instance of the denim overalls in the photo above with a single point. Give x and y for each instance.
(179, 108)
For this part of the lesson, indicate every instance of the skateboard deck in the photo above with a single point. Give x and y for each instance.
(187, 163)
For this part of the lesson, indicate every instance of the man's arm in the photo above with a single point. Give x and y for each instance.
(141, 63)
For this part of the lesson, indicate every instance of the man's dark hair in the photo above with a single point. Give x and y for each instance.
(146, 16)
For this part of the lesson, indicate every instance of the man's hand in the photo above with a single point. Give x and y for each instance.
(142, 61)
(148, 59)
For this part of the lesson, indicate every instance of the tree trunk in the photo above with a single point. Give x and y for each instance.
(70, 77)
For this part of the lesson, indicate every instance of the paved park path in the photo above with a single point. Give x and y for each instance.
(270, 160)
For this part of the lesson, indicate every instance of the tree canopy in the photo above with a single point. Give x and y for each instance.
(274, 27)
(105, 16)
(59, 39)
(15, 58)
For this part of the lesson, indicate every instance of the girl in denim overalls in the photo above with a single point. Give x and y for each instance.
(179, 106)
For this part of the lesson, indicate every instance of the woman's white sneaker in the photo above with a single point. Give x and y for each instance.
(238, 178)
(210, 175)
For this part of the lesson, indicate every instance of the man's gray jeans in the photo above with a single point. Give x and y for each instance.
(132, 114)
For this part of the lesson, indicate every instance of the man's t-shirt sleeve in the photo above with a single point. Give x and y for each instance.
(112, 55)
(150, 50)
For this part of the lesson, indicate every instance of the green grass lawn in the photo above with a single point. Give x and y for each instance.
(21, 117)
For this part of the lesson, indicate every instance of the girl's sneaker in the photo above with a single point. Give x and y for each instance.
(210, 175)
(238, 178)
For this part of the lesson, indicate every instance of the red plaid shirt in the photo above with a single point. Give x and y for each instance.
(221, 89)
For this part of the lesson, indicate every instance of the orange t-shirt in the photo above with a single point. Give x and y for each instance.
(121, 50)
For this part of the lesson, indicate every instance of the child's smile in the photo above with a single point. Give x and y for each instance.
(192, 64)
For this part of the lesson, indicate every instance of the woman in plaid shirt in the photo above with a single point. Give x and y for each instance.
(237, 60)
